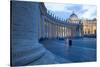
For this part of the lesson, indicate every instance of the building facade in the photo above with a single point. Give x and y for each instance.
(89, 27)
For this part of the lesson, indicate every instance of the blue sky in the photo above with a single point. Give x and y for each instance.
(63, 11)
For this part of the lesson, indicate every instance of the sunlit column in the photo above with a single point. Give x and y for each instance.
(57, 30)
(46, 29)
(50, 30)
(64, 32)
(54, 31)
(61, 32)
(68, 32)
(44, 26)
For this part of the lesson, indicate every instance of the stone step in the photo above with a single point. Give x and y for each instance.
(26, 58)
(47, 58)
(25, 51)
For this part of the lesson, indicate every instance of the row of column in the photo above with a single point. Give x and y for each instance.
(53, 30)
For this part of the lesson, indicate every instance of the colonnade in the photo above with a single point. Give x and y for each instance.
(57, 30)
(52, 27)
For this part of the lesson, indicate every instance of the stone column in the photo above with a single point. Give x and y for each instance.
(50, 30)
(64, 31)
(53, 30)
(61, 32)
(24, 33)
(47, 29)
(43, 27)
(25, 46)
(57, 30)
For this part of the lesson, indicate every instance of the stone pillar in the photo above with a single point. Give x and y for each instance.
(53, 31)
(50, 30)
(64, 32)
(43, 27)
(57, 30)
(25, 46)
(47, 29)
(60, 32)
(24, 33)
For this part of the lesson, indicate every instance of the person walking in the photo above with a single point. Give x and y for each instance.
(66, 42)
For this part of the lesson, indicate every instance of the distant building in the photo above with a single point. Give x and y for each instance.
(88, 26)
(73, 18)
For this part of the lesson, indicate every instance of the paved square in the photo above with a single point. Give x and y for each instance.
(80, 51)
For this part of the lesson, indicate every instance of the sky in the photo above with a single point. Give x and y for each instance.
(63, 11)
